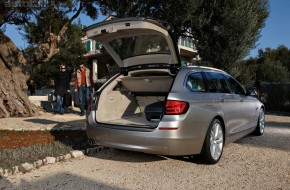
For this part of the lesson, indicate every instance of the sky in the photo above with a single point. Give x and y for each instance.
(276, 31)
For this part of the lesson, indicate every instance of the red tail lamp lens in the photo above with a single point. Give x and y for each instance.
(174, 107)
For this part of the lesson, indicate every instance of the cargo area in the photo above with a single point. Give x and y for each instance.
(125, 100)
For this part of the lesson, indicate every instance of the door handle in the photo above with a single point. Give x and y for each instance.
(222, 100)
(242, 100)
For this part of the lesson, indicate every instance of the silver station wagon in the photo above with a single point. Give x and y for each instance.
(155, 106)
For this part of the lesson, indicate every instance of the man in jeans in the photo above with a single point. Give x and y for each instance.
(83, 84)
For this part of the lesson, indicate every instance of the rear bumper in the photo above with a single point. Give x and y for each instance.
(163, 142)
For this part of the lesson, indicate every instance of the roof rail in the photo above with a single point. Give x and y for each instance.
(208, 68)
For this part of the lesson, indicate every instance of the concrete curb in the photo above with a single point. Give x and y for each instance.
(27, 167)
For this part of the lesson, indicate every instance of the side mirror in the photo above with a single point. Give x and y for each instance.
(251, 92)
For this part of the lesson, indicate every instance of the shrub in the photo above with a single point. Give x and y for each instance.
(278, 99)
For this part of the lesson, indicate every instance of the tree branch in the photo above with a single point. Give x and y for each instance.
(64, 28)
(6, 17)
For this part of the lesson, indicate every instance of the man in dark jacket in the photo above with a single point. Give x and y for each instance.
(31, 87)
(62, 85)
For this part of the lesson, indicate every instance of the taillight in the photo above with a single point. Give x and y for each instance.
(175, 107)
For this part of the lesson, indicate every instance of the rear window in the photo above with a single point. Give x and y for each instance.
(140, 45)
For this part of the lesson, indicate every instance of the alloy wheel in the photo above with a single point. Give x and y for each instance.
(261, 121)
(216, 141)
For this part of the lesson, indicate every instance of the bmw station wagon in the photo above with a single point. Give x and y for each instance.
(154, 106)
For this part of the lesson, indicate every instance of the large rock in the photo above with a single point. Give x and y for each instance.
(25, 167)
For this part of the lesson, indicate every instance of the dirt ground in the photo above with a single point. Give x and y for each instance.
(17, 139)
(46, 128)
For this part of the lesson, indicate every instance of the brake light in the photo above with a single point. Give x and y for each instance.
(175, 107)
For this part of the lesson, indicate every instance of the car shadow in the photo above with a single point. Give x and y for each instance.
(60, 124)
(276, 113)
(191, 158)
(126, 156)
(277, 142)
(70, 133)
(282, 125)
(276, 136)
(62, 180)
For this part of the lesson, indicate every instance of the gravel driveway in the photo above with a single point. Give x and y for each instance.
(250, 163)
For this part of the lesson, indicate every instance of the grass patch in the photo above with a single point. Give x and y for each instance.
(31, 146)
(14, 157)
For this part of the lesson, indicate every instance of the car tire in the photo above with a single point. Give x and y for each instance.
(260, 128)
(213, 144)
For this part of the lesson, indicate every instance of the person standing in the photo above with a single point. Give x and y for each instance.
(31, 87)
(62, 85)
(83, 84)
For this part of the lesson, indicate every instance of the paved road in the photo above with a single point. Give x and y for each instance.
(250, 163)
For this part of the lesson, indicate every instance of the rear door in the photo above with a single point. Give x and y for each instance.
(228, 101)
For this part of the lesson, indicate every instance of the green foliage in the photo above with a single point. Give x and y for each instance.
(272, 71)
(227, 30)
(14, 15)
(278, 99)
(224, 31)
(269, 73)
(52, 11)
(36, 24)
(272, 65)
(172, 11)
(280, 55)
(244, 72)
(47, 21)
(203, 63)
(71, 54)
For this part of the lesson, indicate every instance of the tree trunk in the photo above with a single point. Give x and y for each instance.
(15, 66)
(14, 73)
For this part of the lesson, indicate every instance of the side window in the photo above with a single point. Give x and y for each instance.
(210, 84)
(194, 82)
(220, 82)
(235, 86)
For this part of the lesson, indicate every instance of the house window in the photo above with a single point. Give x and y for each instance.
(189, 42)
(182, 41)
(183, 63)
(89, 45)
(98, 45)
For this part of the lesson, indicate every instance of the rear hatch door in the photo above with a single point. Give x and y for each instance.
(136, 41)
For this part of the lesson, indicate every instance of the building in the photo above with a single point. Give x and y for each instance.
(187, 50)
